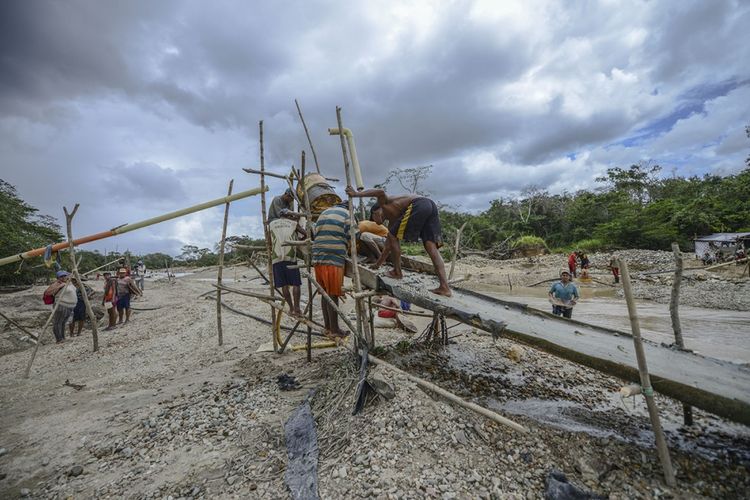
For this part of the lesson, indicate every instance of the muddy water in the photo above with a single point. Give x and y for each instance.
(716, 333)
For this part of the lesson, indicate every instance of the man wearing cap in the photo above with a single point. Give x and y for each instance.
(563, 295)
(281, 204)
(64, 293)
(125, 287)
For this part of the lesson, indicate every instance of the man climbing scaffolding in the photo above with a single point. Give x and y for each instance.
(410, 218)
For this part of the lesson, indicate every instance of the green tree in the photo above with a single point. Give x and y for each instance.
(22, 228)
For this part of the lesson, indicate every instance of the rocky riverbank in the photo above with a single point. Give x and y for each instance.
(164, 411)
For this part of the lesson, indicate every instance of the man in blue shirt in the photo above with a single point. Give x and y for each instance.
(563, 296)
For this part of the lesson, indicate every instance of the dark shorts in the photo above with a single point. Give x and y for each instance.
(565, 312)
(123, 302)
(420, 220)
(79, 313)
(283, 276)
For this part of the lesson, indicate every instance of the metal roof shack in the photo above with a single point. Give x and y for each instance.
(726, 242)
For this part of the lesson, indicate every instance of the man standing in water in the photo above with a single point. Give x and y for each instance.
(563, 296)
(410, 218)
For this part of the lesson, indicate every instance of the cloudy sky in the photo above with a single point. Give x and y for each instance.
(137, 108)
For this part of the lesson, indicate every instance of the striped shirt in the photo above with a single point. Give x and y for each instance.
(331, 236)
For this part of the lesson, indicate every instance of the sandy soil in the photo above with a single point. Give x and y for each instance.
(166, 412)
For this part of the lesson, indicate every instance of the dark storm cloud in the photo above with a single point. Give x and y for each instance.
(134, 96)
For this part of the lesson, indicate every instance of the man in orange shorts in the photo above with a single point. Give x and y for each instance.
(329, 250)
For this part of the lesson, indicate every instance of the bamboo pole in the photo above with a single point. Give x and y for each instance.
(97, 268)
(715, 266)
(359, 305)
(79, 282)
(674, 313)
(24, 330)
(648, 390)
(39, 340)
(455, 249)
(248, 293)
(126, 228)
(307, 133)
(267, 234)
(452, 397)
(308, 235)
(220, 273)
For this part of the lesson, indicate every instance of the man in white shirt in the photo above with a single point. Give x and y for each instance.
(64, 292)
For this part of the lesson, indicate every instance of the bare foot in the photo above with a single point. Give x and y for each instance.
(394, 275)
(444, 291)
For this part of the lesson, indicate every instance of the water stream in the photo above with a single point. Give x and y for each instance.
(721, 334)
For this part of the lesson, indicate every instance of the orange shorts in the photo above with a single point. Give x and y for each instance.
(331, 278)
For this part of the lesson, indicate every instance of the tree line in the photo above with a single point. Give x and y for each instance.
(631, 207)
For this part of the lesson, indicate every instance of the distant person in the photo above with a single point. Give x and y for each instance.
(109, 300)
(63, 291)
(572, 263)
(707, 259)
(563, 295)
(411, 218)
(372, 236)
(140, 274)
(614, 266)
(79, 311)
(125, 288)
(739, 254)
(329, 250)
(585, 265)
(282, 230)
(281, 204)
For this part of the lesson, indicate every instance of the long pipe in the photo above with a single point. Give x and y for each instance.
(353, 153)
(126, 228)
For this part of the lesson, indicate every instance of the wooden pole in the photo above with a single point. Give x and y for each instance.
(647, 389)
(451, 397)
(24, 330)
(674, 313)
(315, 157)
(359, 303)
(81, 288)
(715, 266)
(266, 232)
(308, 234)
(221, 266)
(39, 340)
(455, 249)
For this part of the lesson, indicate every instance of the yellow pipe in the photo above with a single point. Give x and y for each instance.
(353, 152)
(315, 345)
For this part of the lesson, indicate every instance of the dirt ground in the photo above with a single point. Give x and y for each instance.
(167, 413)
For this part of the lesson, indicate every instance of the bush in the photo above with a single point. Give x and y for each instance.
(529, 241)
(591, 245)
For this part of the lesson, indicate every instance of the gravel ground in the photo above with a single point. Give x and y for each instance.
(165, 412)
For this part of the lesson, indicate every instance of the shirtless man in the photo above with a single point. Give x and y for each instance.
(410, 218)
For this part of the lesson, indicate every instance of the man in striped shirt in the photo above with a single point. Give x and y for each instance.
(329, 250)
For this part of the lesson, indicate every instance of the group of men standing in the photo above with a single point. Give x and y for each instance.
(408, 218)
(70, 307)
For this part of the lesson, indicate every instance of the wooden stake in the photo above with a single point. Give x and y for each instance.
(308, 235)
(266, 232)
(359, 304)
(648, 391)
(674, 313)
(455, 249)
(39, 340)
(221, 266)
(452, 397)
(81, 288)
(24, 330)
(315, 157)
